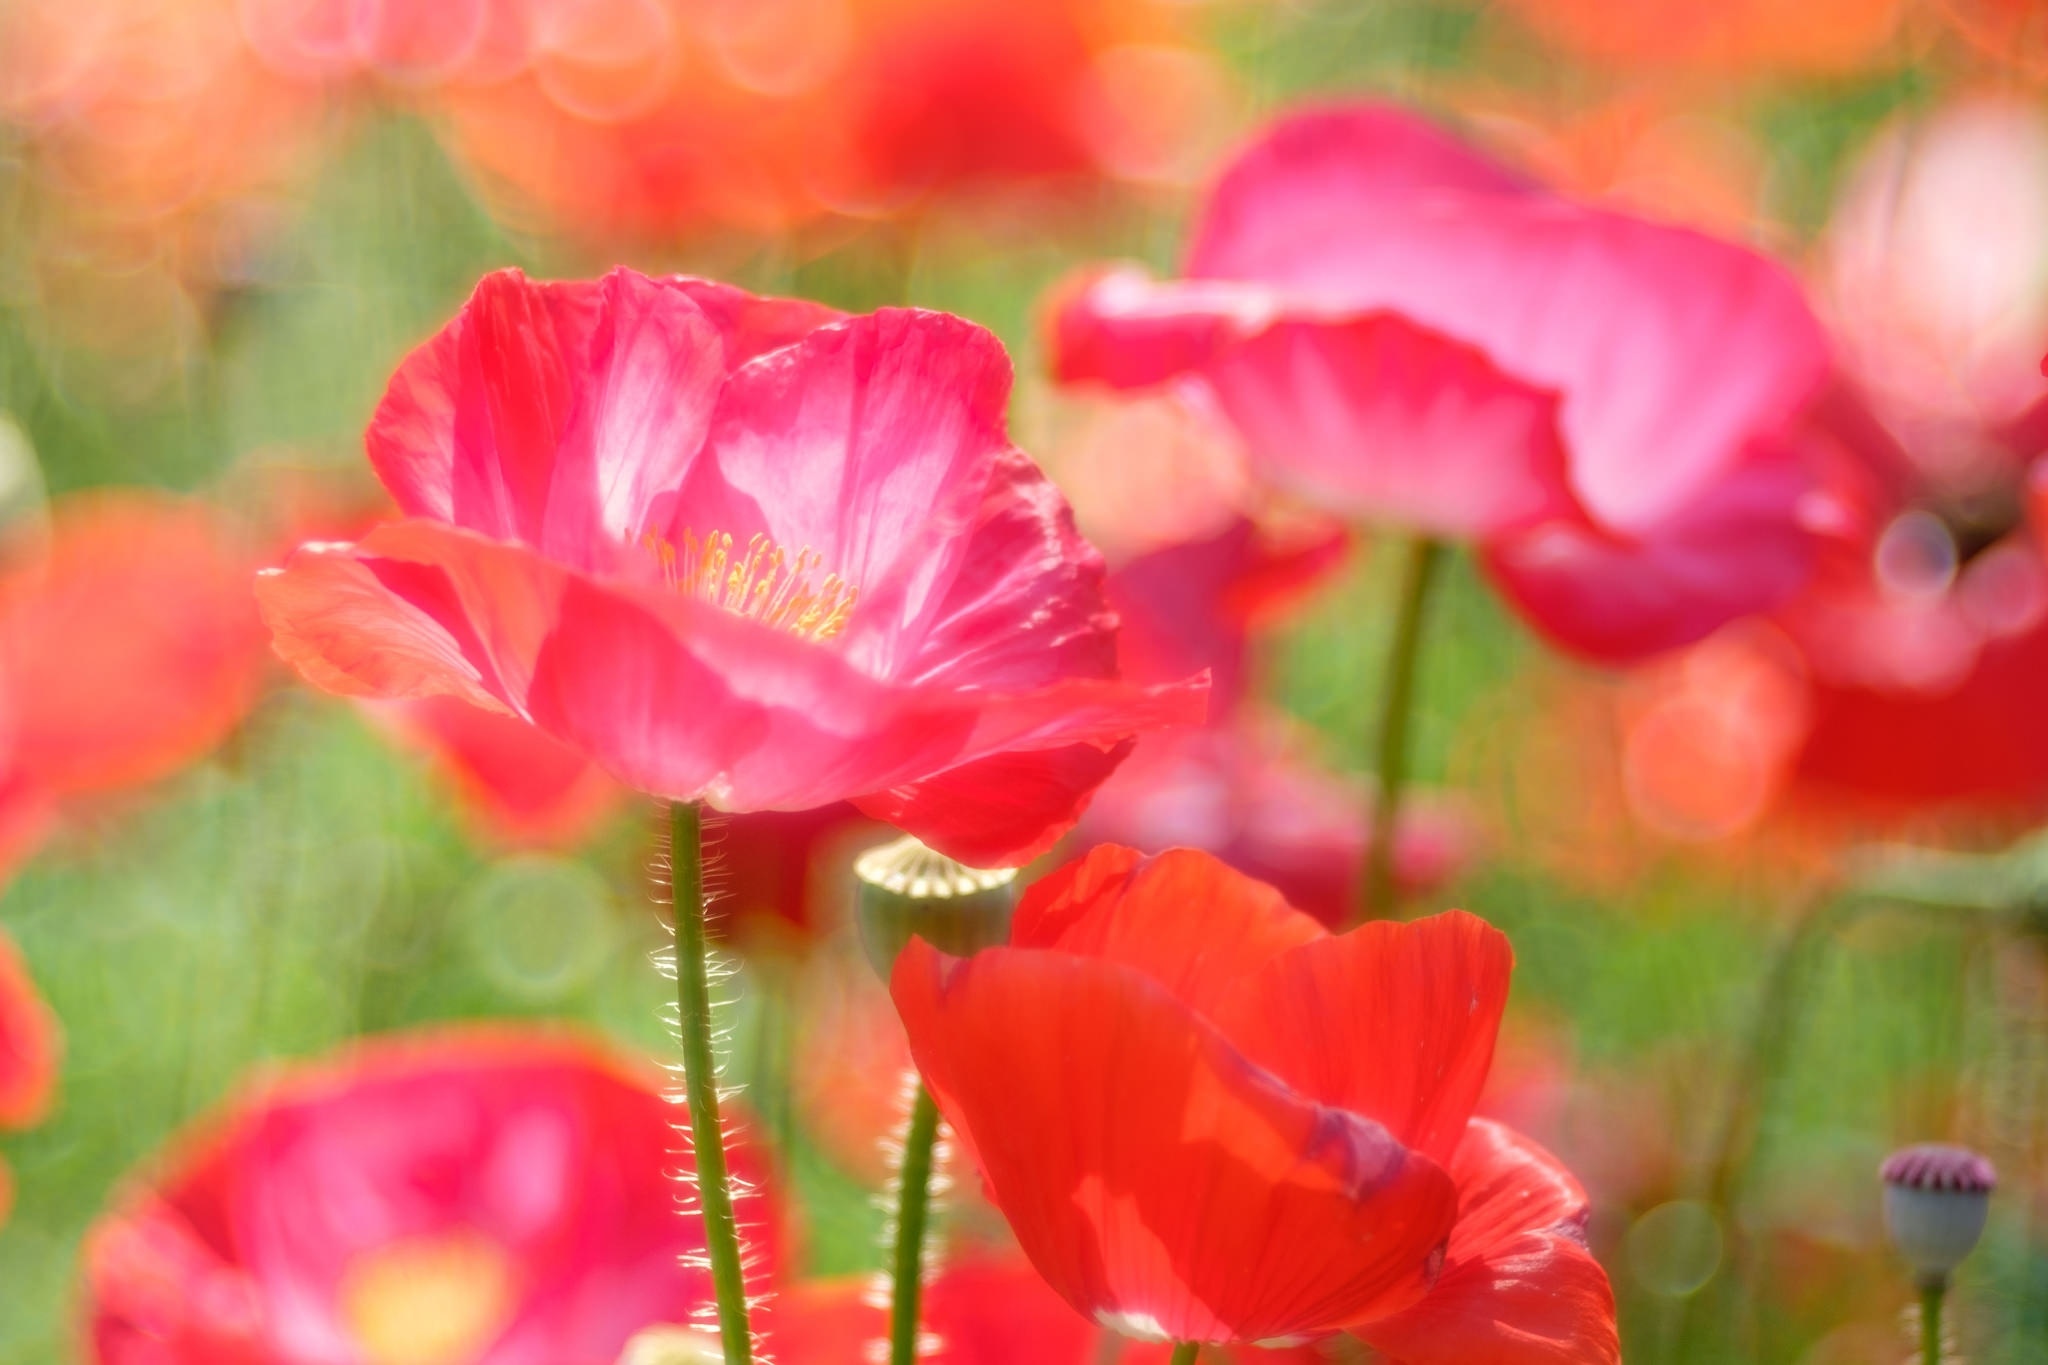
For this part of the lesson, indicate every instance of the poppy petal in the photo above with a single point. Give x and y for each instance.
(1159, 1183)
(1187, 921)
(1003, 810)
(29, 1044)
(1519, 1286)
(1393, 1021)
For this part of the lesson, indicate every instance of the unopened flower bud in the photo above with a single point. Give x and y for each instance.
(906, 890)
(1936, 1199)
(669, 1345)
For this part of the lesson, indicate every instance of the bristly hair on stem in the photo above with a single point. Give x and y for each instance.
(705, 1135)
(916, 1193)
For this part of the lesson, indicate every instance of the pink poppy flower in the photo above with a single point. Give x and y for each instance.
(738, 550)
(1404, 331)
(1218, 1122)
(480, 1197)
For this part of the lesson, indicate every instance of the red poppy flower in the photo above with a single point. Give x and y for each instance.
(978, 1310)
(737, 550)
(1407, 332)
(483, 1197)
(29, 1048)
(1208, 1119)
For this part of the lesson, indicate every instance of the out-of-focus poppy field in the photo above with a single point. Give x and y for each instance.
(1023, 682)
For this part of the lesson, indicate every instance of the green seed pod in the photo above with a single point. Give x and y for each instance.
(905, 889)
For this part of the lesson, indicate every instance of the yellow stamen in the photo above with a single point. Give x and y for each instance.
(761, 583)
(429, 1301)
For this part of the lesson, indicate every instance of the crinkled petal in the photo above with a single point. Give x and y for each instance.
(1393, 1021)
(1382, 421)
(416, 609)
(1519, 1286)
(1160, 1183)
(1183, 918)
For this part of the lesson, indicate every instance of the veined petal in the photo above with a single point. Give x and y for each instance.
(1393, 1021)
(1159, 1182)
(1519, 1286)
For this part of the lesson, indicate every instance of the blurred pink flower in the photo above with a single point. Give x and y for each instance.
(737, 550)
(472, 1197)
(1404, 331)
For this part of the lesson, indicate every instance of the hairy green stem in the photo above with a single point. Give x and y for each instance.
(1420, 562)
(1931, 1294)
(700, 1081)
(913, 1205)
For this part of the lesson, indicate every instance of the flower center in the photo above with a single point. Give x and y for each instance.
(436, 1300)
(763, 582)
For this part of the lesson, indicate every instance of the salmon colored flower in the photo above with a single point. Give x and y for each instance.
(29, 1047)
(477, 1197)
(1208, 1119)
(1743, 36)
(1407, 332)
(737, 550)
(128, 648)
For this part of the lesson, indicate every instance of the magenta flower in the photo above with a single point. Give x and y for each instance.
(738, 550)
(476, 1196)
(1409, 333)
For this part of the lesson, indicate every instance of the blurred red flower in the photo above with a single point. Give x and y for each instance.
(1404, 331)
(665, 118)
(2011, 32)
(1208, 1119)
(737, 550)
(486, 1196)
(30, 1045)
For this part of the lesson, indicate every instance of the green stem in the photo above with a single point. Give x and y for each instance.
(1184, 1353)
(700, 1082)
(1397, 707)
(913, 1204)
(1931, 1294)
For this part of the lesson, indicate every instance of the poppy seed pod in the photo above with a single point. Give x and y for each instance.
(906, 890)
(1936, 1198)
